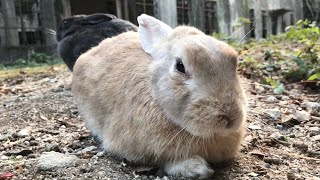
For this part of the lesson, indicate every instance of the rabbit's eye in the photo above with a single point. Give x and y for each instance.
(65, 22)
(180, 66)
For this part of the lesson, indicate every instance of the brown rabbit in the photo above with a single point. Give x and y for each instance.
(163, 96)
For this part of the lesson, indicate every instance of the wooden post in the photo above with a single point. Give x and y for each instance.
(258, 19)
(166, 11)
(48, 18)
(126, 10)
(197, 16)
(132, 11)
(10, 23)
(119, 8)
(223, 16)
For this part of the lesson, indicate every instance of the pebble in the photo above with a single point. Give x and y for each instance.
(11, 132)
(4, 157)
(279, 126)
(314, 129)
(274, 114)
(90, 149)
(314, 106)
(272, 99)
(34, 143)
(285, 98)
(316, 138)
(254, 126)
(4, 137)
(25, 132)
(52, 147)
(302, 116)
(277, 135)
(53, 160)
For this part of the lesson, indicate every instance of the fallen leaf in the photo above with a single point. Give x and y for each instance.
(6, 175)
(258, 153)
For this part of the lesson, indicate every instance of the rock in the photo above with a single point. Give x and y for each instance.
(88, 150)
(285, 98)
(274, 114)
(279, 126)
(33, 143)
(313, 106)
(254, 126)
(11, 132)
(272, 99)
(52, 147)
(4, 157)
(25, 132)
(4, 137)
(302, 116)
(316, 138)
(259, 89)
(314, 129)
(53, 160)
(277, 135)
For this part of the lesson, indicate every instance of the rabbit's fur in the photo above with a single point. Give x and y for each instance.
(79, 33)
(133, 98)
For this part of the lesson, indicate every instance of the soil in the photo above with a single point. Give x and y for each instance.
(38, 115)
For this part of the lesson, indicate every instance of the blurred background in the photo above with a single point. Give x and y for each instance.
(25, 24)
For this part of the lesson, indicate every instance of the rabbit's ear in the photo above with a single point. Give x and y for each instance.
(97, 18)
(151, 31)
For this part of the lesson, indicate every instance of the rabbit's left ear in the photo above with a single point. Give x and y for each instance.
(151, 31)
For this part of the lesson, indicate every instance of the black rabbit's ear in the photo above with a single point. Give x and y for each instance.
(97, 18)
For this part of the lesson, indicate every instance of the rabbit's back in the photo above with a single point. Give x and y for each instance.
(110, 81)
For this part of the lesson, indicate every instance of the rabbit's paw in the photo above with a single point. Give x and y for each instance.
(195, 167)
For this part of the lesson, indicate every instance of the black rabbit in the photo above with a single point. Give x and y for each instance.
(79, 33)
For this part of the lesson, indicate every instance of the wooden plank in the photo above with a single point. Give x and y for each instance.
(10, 23)
(166, 11)
(197, 14)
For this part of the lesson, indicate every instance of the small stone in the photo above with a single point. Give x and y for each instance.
(313, 106)
(277, 135)
(314, 129)
(272, 99)
(259, 89)
(53, 160)
(285, 98)
(165, 178)
(316, 138)
(254, 126)
(11, 132)
(267, 165)
(279, 126)
(100, 154)
(302, 116)
(25, 132)
(52, 147)
(31, 156)
(88, 150)
(34, 143)
(295, 91)
(3, 157)
(4, 137)
(253, 174)
(274, 114)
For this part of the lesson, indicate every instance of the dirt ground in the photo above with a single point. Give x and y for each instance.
(38, 115)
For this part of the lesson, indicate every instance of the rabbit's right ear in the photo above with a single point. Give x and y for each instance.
(151, 31)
